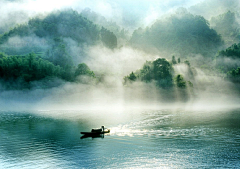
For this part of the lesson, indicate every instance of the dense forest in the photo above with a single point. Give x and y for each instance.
(56, 26)
(42, 49)
(28, 68)
(181, 33)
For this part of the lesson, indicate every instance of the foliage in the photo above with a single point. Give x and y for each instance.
(100, 20)
(132, 77)
(232, 51)
(58, 54)
(30, 68)
(159, 70)
(108, 38)
(179, 60)
(60, 24)
(181, 33)
(234, 75)
(66, 23)
(227, 25)
(187, 63)
(83, 69)
(228, 59)
(174, 60)
(180, 82)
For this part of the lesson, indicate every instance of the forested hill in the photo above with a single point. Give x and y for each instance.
(121, 33)
(62, 24)
(227, 25)
(181, 34)
(40, 49)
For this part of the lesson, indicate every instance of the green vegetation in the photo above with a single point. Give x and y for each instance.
(180, 81)
(234, 75)
(231, 52)
(182, 33)
(228, 59)
(58, 54)
(108, 38)
(227, 25)
(174, 60)
(119, 32)
(30, 68)
(57, 25)
(159, 71)
(162, 73)
(43, 48)
(27, 67)
(83, 69)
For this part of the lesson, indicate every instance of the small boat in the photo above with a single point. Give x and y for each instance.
(92, 136)
(95, 132)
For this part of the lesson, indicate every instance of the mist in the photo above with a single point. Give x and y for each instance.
(112, 65)
(127, 14)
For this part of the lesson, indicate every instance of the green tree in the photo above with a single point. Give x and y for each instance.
(159, 71)
(181, 83)
(227, 25)
(234, 75)
(179, 60)
(108, 38)
(174, 60)
(225, 59)
(181, 33)
(187, 63)
(83, 69)
(132, 77)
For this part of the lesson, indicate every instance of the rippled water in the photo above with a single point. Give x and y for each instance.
(138, 139)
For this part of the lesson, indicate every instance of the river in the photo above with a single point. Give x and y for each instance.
(138, 139)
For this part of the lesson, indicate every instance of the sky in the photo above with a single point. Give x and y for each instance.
(124, 12)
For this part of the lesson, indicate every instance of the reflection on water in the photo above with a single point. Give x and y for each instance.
(147, 138)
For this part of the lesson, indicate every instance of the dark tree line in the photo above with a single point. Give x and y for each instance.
(28, 68)
(229, 59)
(160, 71)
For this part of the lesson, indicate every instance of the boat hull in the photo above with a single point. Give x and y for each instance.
(96, 133)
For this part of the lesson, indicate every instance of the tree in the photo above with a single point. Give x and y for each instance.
(108, 38)
(181, 33)
(174, 60)
(159, 71)
(180, 81)
(234, 75)
(187, 63)
(132, 77)
(227, 25)
(83, 69)
(179, 60)
(226, 59)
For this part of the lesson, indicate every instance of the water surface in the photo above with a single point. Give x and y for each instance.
(138, 139)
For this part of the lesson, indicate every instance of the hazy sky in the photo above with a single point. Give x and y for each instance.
(127, 13)
(124, 12)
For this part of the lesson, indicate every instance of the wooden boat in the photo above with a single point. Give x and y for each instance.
(92, 136)
(95, 132)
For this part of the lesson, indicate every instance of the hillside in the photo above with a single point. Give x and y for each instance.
(182, 34)
(59, 24)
